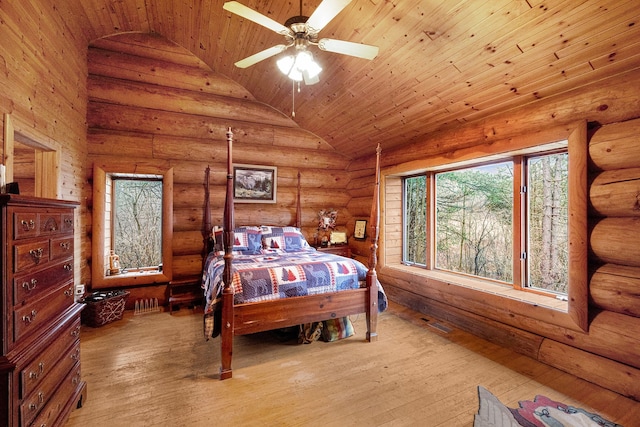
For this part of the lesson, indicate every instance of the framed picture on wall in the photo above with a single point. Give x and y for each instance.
(360, 231)
(254, 183)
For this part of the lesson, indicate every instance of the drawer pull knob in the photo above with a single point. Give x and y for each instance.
(28, 319)
(76, 354)
(65, 245)
(68, 292)
(67, 267)
(68, 221)
(35, 375)
(29, 286)
(36, 254)
(76, 332)
(28, 225)
(33, 406)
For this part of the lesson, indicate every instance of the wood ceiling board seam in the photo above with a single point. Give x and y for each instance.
(628, 26)
(580, 15)
(578, 32)
(577, 84)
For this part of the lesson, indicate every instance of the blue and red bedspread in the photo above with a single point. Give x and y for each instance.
(269, 276)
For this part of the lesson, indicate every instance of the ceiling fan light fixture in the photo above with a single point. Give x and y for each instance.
(285, 64)
(301, 67)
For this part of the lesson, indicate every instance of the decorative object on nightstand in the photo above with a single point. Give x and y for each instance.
(360, 231)
(326, 221)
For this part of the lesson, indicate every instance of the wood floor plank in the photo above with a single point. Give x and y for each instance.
(157, 370)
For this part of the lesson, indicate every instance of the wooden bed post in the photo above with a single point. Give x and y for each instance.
(298, 210)
(372, 287)
(226, 333)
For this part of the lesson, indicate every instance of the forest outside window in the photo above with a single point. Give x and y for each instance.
(505, 221)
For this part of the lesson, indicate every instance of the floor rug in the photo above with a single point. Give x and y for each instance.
(539, 412)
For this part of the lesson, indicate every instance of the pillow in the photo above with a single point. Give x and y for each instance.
(337, 329)
(218, 243)
(288, 239)
(247, 240)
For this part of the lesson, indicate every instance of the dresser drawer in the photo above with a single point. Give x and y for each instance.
(50, 223)
(344, 251)
(67, 346)
(38, 313)
(28, 255)
(54, 409)
(61, 247)
(31, 285)
(25, 225)
(33, 405)
(67, 223)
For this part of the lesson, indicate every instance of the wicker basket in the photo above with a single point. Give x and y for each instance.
(104, 307)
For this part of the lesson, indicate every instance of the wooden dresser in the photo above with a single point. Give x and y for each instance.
(40, 361)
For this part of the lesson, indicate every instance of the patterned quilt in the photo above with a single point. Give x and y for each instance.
(269, 276)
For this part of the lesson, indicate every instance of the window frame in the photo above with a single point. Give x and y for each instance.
(520, 266)
(101, 230)
(481, 294)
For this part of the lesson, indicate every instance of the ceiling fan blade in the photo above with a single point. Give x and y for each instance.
(260, 56)
(359, 50)
(325, 12)
(250, 14)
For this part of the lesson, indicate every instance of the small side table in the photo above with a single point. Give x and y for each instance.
(185, 290)
(342, 250)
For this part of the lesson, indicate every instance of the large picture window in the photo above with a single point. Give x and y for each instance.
(504, 220)
(499, 228)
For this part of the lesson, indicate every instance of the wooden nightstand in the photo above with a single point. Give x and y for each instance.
(342, 250)
(185, 291)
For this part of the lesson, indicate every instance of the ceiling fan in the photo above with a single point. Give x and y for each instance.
(300, 32)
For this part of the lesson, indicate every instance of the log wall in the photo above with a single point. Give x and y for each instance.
(609, 353)
(148, 106)
(43, 73)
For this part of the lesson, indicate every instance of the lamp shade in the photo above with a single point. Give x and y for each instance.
(301, 67)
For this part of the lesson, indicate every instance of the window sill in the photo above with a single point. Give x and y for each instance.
(132, 278)
(486, 286)
(482, 296)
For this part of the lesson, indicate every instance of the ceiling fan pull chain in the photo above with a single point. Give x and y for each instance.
(293, 97)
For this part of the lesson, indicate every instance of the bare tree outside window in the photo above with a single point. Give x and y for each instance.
(137, 222)
(548, 201)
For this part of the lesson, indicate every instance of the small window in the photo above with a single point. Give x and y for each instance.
(133, 217)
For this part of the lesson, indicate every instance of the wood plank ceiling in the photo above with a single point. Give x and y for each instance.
(442, 63)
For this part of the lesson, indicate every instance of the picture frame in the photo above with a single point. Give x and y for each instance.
(254, 183)
(338, 238)
(360, 231)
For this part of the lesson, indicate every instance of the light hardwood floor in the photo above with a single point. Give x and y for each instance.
(157, 370)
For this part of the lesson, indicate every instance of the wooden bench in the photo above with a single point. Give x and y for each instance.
(185, 291)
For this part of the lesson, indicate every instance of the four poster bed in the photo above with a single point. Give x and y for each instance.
(269, 277)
